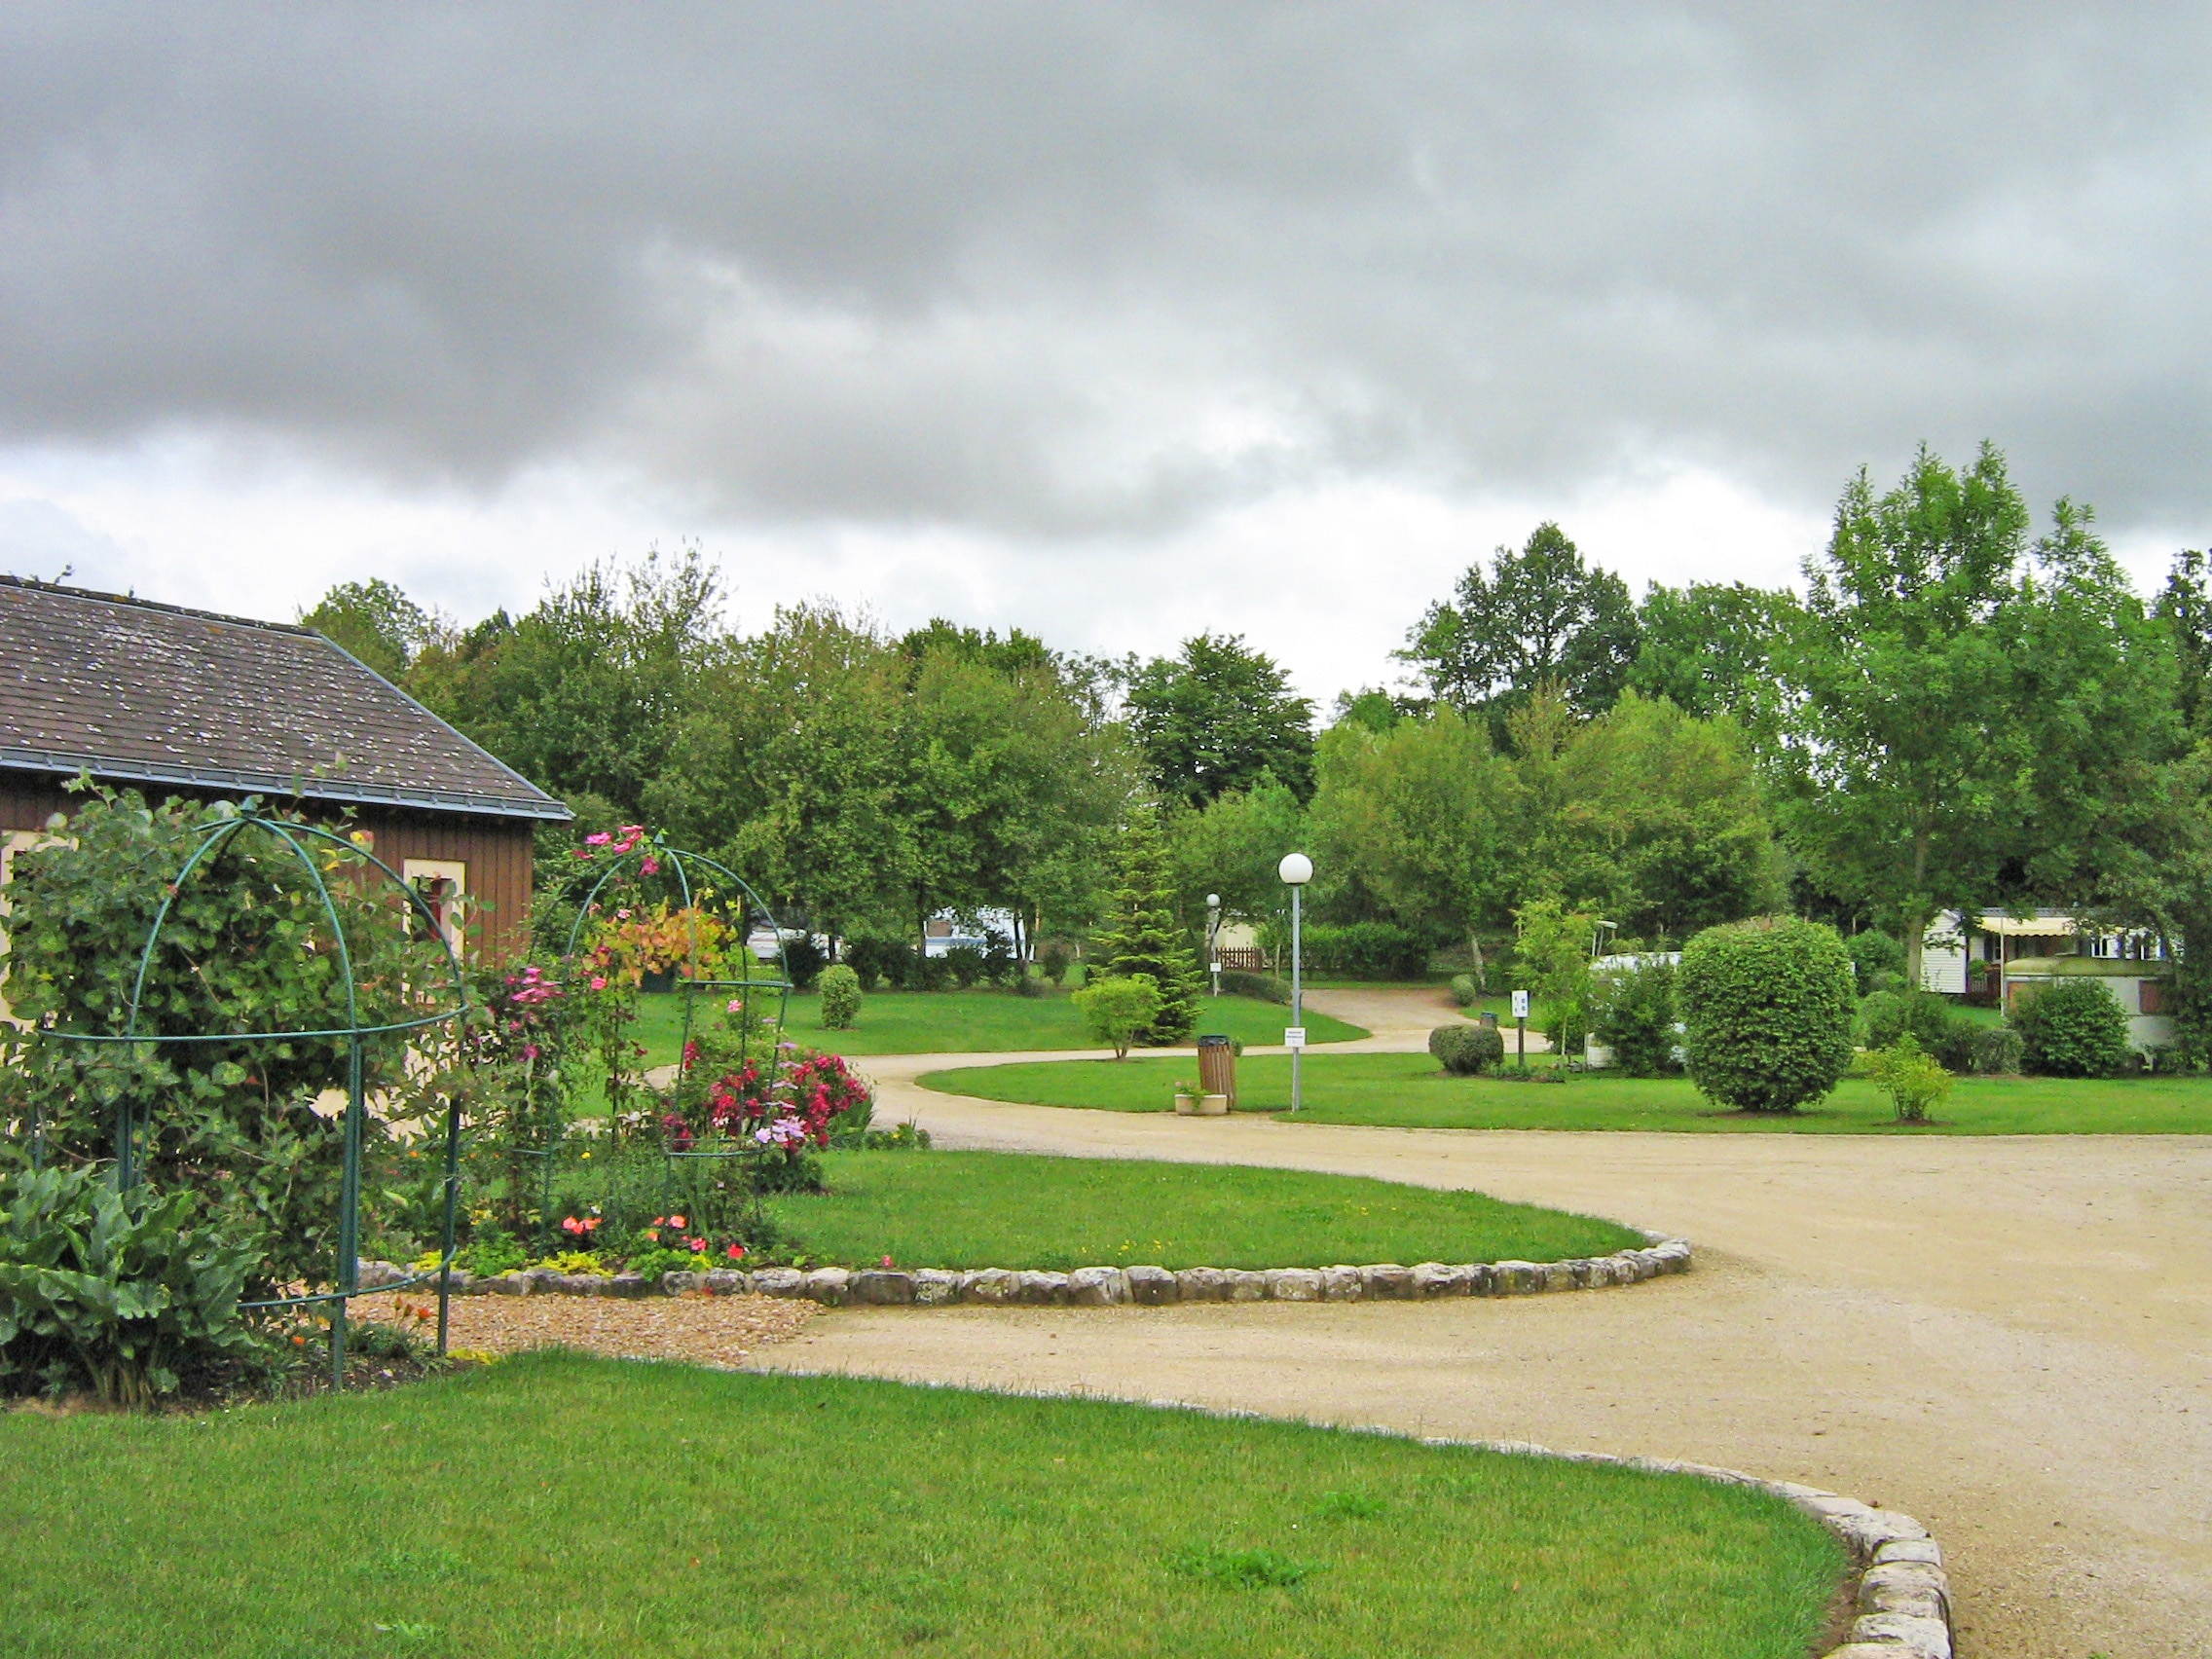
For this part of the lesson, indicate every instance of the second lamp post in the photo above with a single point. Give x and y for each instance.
(1296, 871)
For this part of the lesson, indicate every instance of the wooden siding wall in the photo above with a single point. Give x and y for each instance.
(497, 851)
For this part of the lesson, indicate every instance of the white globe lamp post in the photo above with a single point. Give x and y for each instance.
(1296, 871)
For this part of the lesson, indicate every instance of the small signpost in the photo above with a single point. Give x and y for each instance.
(1294, 1037)
(1521, 1028)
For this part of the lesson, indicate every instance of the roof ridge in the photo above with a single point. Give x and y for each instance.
(134, 602)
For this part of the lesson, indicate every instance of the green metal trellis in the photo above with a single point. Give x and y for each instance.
(680, 863)
(131, 1119)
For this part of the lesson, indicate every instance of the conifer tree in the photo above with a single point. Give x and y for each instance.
(1140, 935)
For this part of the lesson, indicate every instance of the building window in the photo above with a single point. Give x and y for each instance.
(442, 884)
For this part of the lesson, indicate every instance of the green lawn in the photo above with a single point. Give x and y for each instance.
(1001, 1210)
(557, 1507)
(974, 1022)
(1409, 1092)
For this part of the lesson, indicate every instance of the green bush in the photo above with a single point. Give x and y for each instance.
(804, 960)
(2072, 1028)
(1465, 1051)
(1932, 1023)
(1913, 1078)
(1767, 1012)
(1464, 990)
(1997, 1050)
(119, 1291)
(840, 997)
(1634, 1016)
(965, 963)
(1877, 962)
(1236, 982)
(1119, 1011)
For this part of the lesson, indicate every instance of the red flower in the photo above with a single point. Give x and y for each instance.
(736, 1252)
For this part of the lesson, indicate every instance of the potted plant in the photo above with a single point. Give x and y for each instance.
(1213, 1105)
(1186, 1100)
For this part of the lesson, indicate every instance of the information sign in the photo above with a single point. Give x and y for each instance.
(1294, 1037)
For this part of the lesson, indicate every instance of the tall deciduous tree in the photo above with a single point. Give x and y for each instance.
(1541, 614)
(1710, 649)
(376, 622)
(1419, 820)
(1971, 714)
(1215, 718)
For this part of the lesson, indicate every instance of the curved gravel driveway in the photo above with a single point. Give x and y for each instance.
(2008, 1338)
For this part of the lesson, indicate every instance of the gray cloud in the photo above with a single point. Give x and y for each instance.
(1057, 271)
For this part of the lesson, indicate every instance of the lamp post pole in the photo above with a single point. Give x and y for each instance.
(1296, 871)
(1213, 940)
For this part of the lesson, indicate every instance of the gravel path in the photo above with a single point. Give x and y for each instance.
(2008, 1338)
(706, 1330)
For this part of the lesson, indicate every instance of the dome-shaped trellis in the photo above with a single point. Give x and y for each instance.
(133, 1118)
(696, 880)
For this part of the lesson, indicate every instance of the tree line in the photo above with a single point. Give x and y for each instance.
(1959, 709)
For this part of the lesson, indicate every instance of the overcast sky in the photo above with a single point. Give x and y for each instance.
(1112, 321)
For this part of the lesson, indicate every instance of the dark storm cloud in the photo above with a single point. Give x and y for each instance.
(1053, 268)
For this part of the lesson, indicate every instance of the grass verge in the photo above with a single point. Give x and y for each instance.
(975, 1022)
(1410, 1092)
(1004, 1209)
(556, 1507)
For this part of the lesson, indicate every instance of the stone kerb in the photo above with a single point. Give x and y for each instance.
(1095, 1287)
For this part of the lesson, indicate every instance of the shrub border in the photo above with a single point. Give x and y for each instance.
(1095, 1287)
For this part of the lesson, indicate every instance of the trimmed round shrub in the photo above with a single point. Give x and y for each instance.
(840, 997)
(1767, 1012)
(1463, 1050)
(1464, 990)
(2074, 1028)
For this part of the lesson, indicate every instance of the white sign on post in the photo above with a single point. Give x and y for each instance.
(1294, 1037)
(1520, 1005)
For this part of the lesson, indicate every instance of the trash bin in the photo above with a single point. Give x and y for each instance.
(1487, 1019)
(1217, 1067)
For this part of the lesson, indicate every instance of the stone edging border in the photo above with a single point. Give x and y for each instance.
(1087, 1287)
(1901, 1598)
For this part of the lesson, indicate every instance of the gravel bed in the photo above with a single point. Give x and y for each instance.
(702, 1330)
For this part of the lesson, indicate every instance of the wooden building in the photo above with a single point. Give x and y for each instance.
(184, 703)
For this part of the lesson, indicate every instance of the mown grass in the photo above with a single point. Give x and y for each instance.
(1001, 1210)
(978, 1021)
(1410, 1092)
(557, 1507)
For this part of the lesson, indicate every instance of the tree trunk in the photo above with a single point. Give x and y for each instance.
(1475, 949)
(1916, 915)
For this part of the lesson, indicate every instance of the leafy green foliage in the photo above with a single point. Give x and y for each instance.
(1911, 1077)
(248, 945)
(1536, 616)
(840, 997)
(1633, 1013)
(1241, 1570)
(1767, 1012)
(1120, 1010)
(1710, 649)
(1218, 719)
(376, 622)
(1464, 991)
(1877, 962)
(1551, 961)
(126, 1293)
(1141, 936)
(1467, 1050)
(1363, 950)
(2072, 1028)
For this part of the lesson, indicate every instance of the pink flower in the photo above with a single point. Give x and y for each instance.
(599, 981)
(599, 840)
(678, 1220)
(652, 867)
(736, 1006)
(698, 1246)
(887, 1261)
